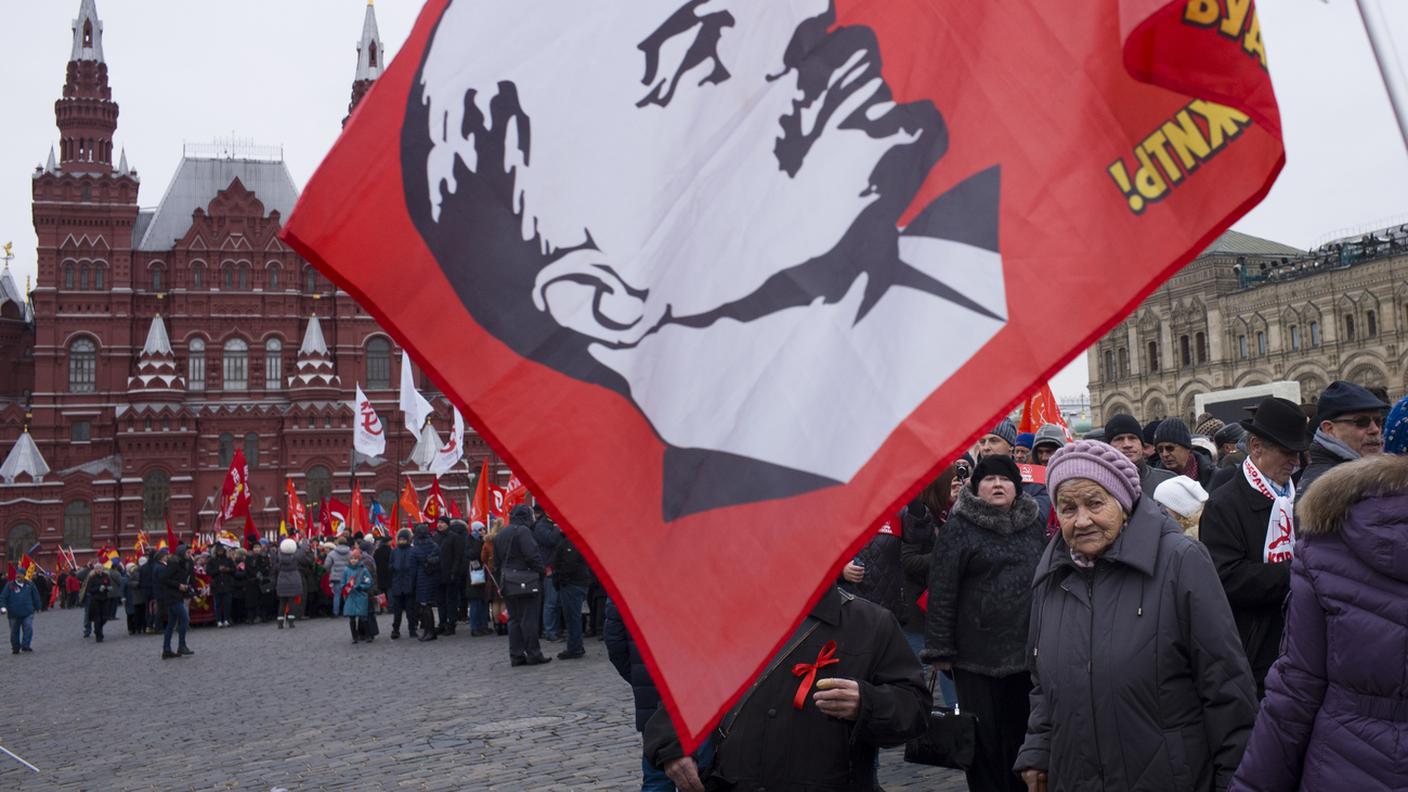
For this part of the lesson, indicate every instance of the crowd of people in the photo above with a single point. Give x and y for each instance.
(1152, 607)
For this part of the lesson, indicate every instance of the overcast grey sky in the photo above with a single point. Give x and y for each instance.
(280, 71)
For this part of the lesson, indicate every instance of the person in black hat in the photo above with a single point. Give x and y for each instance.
(1231, 442)
(1151, 457)
(1248, 527)
(1174, 443)
(1124, 433)
(1349, 424)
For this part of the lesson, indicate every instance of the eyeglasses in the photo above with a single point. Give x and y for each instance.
(1165, 448)
(1362, 421)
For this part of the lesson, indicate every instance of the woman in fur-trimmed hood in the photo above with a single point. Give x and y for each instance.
(1335, 714)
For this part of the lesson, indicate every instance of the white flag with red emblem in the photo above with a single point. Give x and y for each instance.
(450, 454)
(368, 436)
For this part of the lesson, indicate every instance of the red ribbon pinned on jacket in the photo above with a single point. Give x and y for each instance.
(824, 658)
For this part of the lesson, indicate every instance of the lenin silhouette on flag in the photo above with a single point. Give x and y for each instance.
(589, 211)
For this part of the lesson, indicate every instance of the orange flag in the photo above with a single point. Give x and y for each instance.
(297, 514)
(479, 507)
(408, 503)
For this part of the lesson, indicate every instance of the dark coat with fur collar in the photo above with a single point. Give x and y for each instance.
(980, 581)
(1336, 709)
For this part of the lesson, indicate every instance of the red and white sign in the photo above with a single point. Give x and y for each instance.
(683, 266)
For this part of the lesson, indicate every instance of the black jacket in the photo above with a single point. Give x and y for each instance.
(883, 574)
(452, 560)
(1321, 460)
(178, 571)
(916, 551)
(771, 745)
(625, 657)
(569, 567)
(514, 547)
(547, 535)
(1206, 467)
(381, 557)
(221, 569)
(980, 585)
(473, 551)
(1234, 529)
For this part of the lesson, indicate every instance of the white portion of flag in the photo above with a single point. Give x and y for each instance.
(452, 451)
(413, 405)
(427, 447)
(368, 435)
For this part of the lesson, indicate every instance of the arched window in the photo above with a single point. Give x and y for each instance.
(273, 277)
(78, 524)
(1109, 364)
(1371, 324)
(195, 365)
(229, 271)
(1185, 351)
(273, 364)
(378, 363)
(1242, 346)
(1295, 338)
(1201, 341)
(87, 34)
(1314, 334)
(156, 279)
(251, 450)
(371, 55)
(1349, 327)
(83, 366)
(83, 276)
(1124, 361)
(244, 277)
(236, 365)
(156, 496)
(100, 277)
(310, 279)
(69, 282)
(1153, 356)
(318, 485)
(227, 450)
(22, 537)
(198, 276)
(1261, 343)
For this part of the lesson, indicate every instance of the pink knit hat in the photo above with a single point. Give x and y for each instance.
(1099, 462)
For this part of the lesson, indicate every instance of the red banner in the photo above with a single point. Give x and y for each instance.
(297, 514)
(1041, 409)
(234, 493)
(681, 308)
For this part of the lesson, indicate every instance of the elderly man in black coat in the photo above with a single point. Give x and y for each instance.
(874, 698)
(515, 555)
(1247, 526)
(453, 567)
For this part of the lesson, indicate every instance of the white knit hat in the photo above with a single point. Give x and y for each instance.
(288, 547)
(1182, 495)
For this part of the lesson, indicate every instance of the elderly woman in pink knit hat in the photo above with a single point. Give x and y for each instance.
(1140, 680)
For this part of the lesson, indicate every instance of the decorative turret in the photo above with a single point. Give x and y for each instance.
(157, 377)
(24, 459)
(371, 57)
(86, 115)
(314, 369)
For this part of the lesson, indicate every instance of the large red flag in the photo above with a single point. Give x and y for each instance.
(336, 512)
(1041, 409)
(434, 502)
(479, 506)
(357, 516)
(410, 504)
(684, 307)
(297, 514)
(234, 493)
(171, 540)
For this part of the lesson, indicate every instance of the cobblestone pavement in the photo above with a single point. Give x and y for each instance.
(260, 708)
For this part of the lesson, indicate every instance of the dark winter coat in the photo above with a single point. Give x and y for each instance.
(288, 573)
(221, 569)
(1224, 475)
(569, 567)
(980, 580)
(1206, 467)
(1140, 682)
(1150, 478)
(1336, 709)
(336, 561)
(547, 535)
(179, 571)
(452, 560)
(20, 599)
(773, 746)
(1233, 527)
(259, 575)
(916, 551)
(146, 579)
(426, 575)
(381, 560)
(474, 552)
(403, 571)
(625, 657)
(884, 575)
(514, 546)
(1322, 459)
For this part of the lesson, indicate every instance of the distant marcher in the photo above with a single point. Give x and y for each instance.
(477, 593)
(1349, 424)
(1022, 449)
(356, 586)
(403, 586)
(1248, 526)
(98, 588)
(426, 568)
(20, 601)
(336, 562)
(1174, 444)
(1183, 499)
(288, 581)
(1336, 709)
(1048, 439)
(221, 569)
(1126, 436)
(178, 586)
(134, 606)
(1231, 442)
(516, 555)
(547, 535)
(1140, 680)
(453, 568)
(571, 577)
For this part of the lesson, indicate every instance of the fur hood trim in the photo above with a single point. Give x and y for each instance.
(1323, 507)
(992, 518)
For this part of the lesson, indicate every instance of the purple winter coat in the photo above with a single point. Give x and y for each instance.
(1336, 709)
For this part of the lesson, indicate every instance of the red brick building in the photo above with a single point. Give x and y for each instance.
(158, 340)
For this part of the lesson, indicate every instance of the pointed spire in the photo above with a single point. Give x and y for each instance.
(87, 33)
(24, 457)
(371, 56)
(158, 343)
(122, 166)
(52, 166)
(313, 342)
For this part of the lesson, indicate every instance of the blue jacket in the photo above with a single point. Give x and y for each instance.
(403, 571)
(355, 603)
(427, 586)
(20, 598)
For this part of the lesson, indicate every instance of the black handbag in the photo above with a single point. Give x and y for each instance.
(950, 741)
(519, 583)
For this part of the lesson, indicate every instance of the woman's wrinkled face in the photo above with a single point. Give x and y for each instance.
(997, 490)
(1090, 517)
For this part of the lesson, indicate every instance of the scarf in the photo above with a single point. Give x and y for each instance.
(1191, 470)
(1334, 446)
(1280, 528)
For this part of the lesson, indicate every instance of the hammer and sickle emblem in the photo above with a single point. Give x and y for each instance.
(369, 421)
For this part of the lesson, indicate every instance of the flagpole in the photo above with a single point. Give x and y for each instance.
(11, 754)
(1372, 16)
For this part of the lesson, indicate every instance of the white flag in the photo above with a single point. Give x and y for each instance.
(427, 448)
(413, 405)
(450, 454)
(368, 437)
